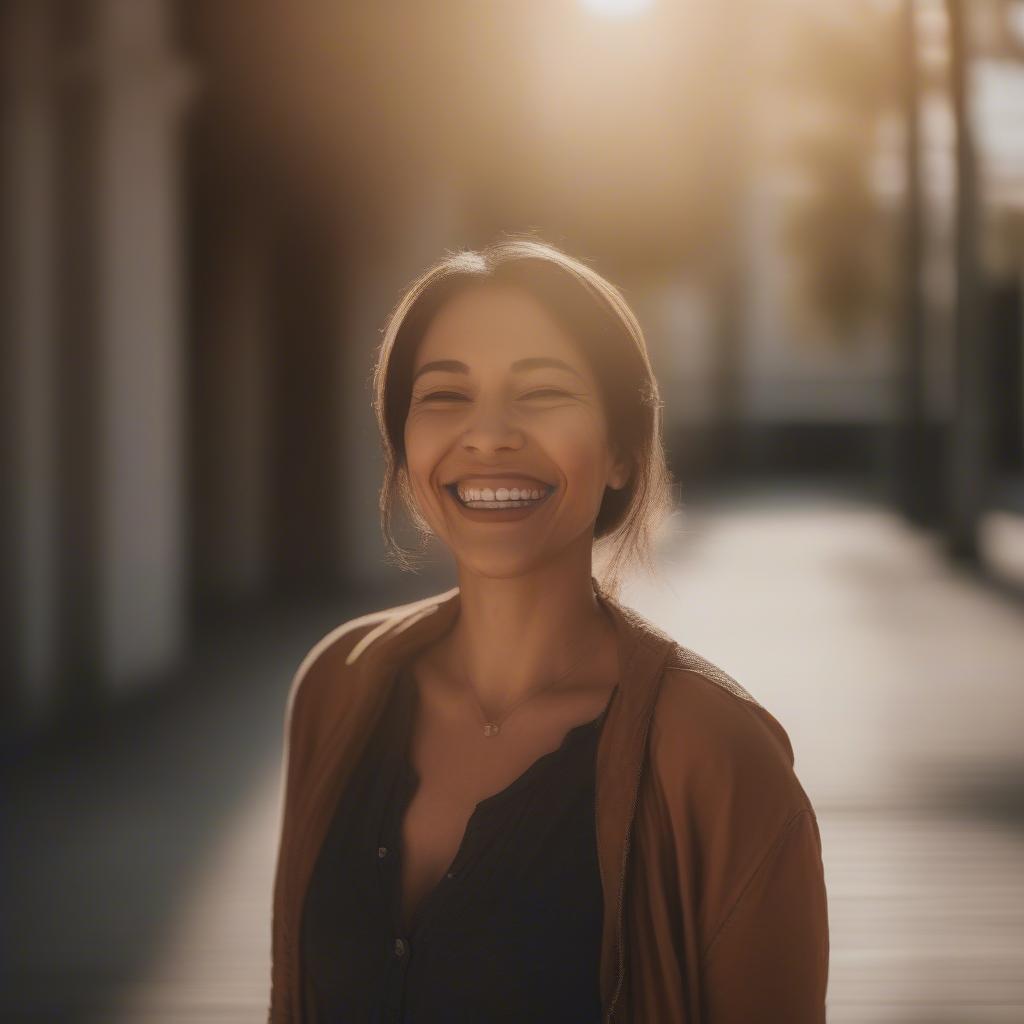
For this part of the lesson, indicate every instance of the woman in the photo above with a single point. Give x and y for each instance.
(519, 800)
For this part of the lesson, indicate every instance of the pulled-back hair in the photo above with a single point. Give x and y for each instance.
(597, 317)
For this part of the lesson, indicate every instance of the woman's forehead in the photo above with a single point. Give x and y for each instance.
(495, 325)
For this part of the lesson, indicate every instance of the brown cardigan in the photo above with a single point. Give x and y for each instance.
(709, 850)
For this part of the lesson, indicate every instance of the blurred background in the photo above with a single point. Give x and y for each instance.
(208, 209)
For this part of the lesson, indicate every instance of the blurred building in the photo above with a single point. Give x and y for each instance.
(208, 210)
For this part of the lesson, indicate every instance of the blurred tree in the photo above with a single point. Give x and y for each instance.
(838, 74)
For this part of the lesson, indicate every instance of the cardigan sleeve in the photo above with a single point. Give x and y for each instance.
(768, 959)
(746, 858)
(279, 1005)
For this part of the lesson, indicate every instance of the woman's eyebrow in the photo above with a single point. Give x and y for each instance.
(519, 366)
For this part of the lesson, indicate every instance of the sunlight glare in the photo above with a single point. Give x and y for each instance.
(616, 8)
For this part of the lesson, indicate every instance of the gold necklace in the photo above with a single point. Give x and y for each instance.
(491, 726)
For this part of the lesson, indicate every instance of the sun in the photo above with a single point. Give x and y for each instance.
(616, 8)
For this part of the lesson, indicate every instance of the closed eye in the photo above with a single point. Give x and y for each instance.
(546, 391)
(529, 394)
(440, 394)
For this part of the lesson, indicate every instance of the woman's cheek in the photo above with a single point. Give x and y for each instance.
(576, 451)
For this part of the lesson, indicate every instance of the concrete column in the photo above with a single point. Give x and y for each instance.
(232, 406)
(139, 88)
(27, 240)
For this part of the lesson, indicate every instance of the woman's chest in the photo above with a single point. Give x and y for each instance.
(496, 864)
(464, 781)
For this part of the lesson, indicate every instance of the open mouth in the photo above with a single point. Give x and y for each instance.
(501, 497)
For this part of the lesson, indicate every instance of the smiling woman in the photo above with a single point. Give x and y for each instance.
(520, 800)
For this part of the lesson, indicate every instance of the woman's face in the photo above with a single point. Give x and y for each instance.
(499, 388)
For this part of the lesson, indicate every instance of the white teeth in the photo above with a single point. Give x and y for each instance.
(501, 497)
(500, 494)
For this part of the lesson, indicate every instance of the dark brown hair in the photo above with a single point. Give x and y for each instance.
(597, 317)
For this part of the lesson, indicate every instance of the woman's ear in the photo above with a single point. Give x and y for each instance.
(620, 472)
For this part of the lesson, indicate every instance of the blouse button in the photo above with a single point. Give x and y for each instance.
(382, 851)
(400, 947)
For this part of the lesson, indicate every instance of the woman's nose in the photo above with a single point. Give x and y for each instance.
(491, 426)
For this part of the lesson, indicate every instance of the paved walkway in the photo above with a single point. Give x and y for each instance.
(142, 867)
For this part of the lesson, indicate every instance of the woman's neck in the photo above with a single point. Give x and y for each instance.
(513, 635)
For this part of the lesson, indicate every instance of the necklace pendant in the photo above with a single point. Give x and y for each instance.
(491, 728)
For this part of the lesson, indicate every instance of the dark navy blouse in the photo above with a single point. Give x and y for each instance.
(512, 932)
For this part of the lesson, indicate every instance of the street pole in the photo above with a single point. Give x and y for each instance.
(969, 442)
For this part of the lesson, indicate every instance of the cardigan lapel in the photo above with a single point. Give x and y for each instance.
(621, 757)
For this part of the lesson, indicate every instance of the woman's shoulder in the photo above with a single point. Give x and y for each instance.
(697, 694)
(724, 798)
(713, 742)
(328, 662)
